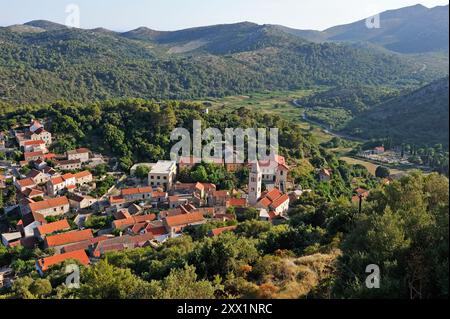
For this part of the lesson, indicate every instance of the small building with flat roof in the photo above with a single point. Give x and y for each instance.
(163, 174)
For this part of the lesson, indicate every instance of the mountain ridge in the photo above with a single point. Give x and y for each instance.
(412, 29)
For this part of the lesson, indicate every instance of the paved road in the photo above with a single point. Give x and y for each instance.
(327, 130)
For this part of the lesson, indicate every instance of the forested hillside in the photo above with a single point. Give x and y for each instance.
(85, 65)
(419, 117)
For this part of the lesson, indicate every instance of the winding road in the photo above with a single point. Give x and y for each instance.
(327, 130)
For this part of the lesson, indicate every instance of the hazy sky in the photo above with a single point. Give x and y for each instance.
(177, 14)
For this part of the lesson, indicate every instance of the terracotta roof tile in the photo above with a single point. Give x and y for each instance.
(83, 245)
(53, 227)
(69, 238)
(265, 202)
(68, 176)
(159, 194)
(26, 182)
(50, 203)
(184, 219)
(134, 191)
(125, 223)
(116, 199)
(33, 154)
(32, 192)
(273, 194)
(57, 180)
(33, 217)
(218, 231)
(82, 174)
(237, 202)
(156, 231)
(37, 142)
(221, 194)
(279, 201)
(79, 255)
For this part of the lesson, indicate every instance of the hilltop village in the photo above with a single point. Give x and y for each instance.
(76, 207)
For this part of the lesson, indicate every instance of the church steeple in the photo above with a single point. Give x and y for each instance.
(254, 183)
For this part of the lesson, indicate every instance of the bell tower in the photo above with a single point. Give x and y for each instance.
(254, 183)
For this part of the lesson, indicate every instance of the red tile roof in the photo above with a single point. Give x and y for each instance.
(32, 192)
(265, 202)
(33, 217)
(116, 199)
(68, 176)
(124, 223)
(50, 203)
(38, 142)
(272, 215)
(69, 238)
(79, 255)
(120, 243)
(49, 156)
(159, 194)
(273, 194)
(33, 154)
(237, 202)
(206, 210)
(57, 180)
(53, 227)
(83, 245)
(82, 174)
(218, 231)
(122, 214)
(174, 198)
(134, 191)
(138, 227)
(184, 219)
(26, 182)
(279, 201)
(221, 194)
(33, 173)
(156, 231)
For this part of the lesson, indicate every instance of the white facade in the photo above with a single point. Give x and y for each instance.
(254, 184)
(42, 135)
(163, 174)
